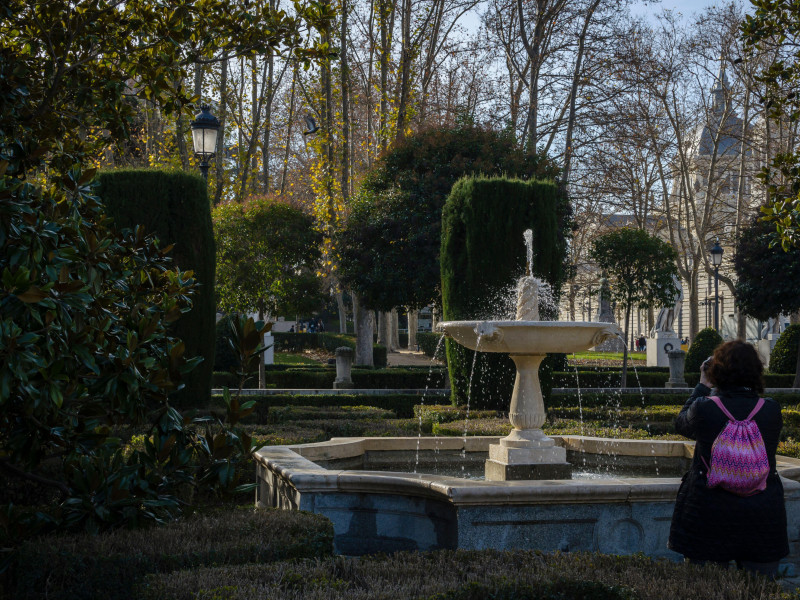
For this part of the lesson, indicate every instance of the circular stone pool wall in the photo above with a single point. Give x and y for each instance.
(385, 511)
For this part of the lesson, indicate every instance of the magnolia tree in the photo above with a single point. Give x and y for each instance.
(85, 343)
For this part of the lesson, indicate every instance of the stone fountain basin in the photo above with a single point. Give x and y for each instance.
(529, 337)
(375, 511)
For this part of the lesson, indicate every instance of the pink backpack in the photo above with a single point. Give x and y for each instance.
(739, 461)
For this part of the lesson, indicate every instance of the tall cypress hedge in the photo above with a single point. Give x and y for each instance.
(482, 256)
(174, 206)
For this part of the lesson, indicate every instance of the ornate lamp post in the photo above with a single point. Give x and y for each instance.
(205, 128)
(716, 260)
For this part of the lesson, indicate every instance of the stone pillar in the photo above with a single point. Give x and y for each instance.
(677, 359)
(344, 362)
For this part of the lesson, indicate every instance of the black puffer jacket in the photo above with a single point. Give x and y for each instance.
(710, 523)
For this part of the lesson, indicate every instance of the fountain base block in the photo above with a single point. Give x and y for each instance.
(537, 462)
(497, 471)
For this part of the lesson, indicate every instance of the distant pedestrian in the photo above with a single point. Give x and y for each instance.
(642, 344)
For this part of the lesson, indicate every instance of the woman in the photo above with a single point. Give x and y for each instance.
(711, 524)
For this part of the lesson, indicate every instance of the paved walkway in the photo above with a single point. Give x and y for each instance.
(410, 358)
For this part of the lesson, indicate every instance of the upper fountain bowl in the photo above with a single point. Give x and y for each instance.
(529, 337)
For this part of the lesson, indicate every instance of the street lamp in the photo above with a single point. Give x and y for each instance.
(716, 260)
(205, 128)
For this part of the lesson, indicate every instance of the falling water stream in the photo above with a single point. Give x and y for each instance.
(439, 345)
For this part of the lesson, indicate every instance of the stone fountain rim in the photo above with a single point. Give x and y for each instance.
(293, 464)
(513, 323)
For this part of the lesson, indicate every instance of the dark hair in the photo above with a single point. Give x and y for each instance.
(736, 363)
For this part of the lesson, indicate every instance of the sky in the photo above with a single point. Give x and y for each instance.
(687, 7)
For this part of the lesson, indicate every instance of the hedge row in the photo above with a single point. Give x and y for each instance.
(400, 404)
(465, 575)
(291, 414)
(615, 399)
(112, 566)
(306, 378)
(598, 379)
(446, 413)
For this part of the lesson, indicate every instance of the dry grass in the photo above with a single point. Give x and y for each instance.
(414, 576)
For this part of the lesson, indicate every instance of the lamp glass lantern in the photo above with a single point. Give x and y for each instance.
(716, 254)
(716, 260)
(205, 129)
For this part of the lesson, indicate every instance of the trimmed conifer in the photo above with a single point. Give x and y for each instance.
(482, 256)
(174, 206)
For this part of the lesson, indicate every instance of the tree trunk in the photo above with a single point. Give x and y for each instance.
(434, 318)
(180, 129)
(363, 323)
(262, 371)
(384, 9)
(624, 382)
(342, 312)
(265, 149)
(576, 77)
(394, 338)
(345, 72)
(796, 383)
(405, 65)
(413, 325)
(741, 325)
(289, 133)
(694, 308)
(223, 111)
(383, 338)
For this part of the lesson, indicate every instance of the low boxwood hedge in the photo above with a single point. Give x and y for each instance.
(111, 565)
(456, 574)
(599, 379)
(391, 378)
(288, 414)
(646, 379)
(400, 404)
(446, 413)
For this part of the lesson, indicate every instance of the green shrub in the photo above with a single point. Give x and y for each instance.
(400, 404)
(110, 566)
(174, 206)
(482, 255)
(560, 589)
(420, 575)
(429, 342)
(487, 426)
(783, 358)
(608, 379)
(286, 414)
(778, 380)
(702, 347)
(446, 413)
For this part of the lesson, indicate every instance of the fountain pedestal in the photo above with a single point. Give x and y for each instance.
(527, 453)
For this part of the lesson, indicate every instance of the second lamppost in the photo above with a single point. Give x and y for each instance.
(716, 260)
(205, 128)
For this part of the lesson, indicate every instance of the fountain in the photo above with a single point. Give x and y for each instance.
(526, 499)
(527, 453)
